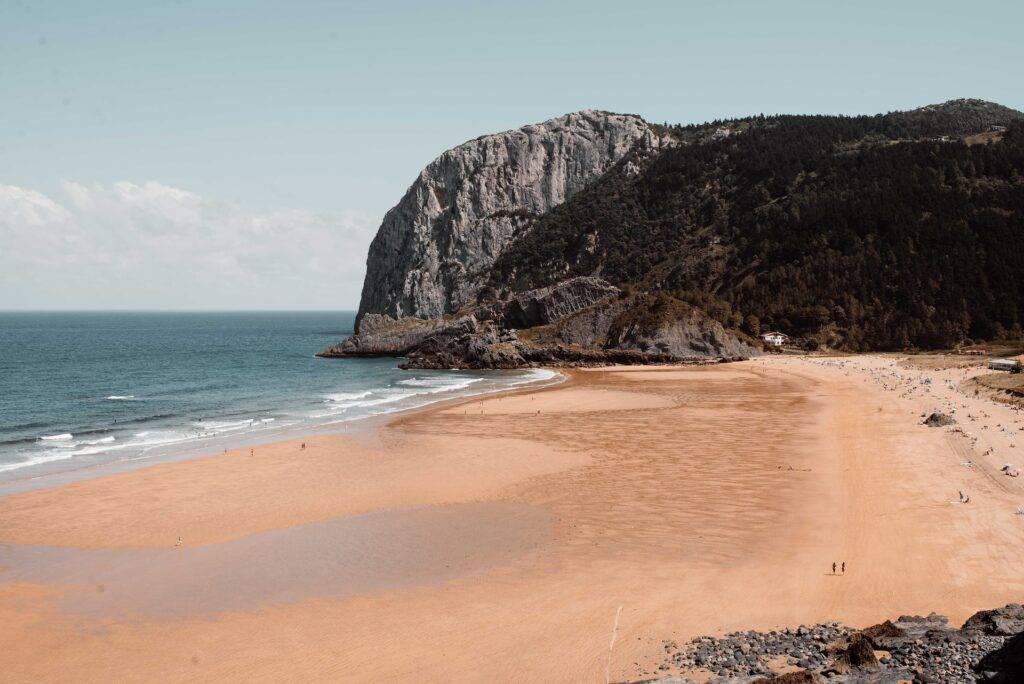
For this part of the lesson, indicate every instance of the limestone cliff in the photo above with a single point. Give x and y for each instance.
(432, 249)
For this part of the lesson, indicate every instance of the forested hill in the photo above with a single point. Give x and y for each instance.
(870, 232)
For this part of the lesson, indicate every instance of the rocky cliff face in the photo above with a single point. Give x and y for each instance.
(643, 323)
(432, 249)
(382, 335)
(580, 321)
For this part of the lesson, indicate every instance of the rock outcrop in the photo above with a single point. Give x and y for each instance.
(938, 419)
(989, 647)
(856, 653)
(465, 207)
(647, 323)
(549, 304)
(581, 321)
(382, 335)
(491, 347)
(1005, 621)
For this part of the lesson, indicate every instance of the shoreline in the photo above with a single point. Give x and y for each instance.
(63, 472)
(623, 496)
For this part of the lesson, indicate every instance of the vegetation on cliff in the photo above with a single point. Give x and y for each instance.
(869, 232)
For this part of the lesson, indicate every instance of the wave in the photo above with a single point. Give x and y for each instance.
(18, 440)
(536, 375)
(382, 400)
(154, 438)
(37, 460)
(352, 402)
(230, 425)
(348, 396)
(417, 382)
(440, 383)
(102, 440)
(147, 419)
(91, 450)
(27, 426)
(341, 406)
(222, 425)
(56, 438)
(92, 441)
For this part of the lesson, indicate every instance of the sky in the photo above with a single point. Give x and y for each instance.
(240, 155)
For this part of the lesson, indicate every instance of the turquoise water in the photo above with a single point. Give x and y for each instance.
(81, 389)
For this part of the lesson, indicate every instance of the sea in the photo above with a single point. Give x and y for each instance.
(83, 390)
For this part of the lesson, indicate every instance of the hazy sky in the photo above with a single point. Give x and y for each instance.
(187, 154)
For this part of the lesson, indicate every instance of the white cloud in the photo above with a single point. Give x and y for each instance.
(155, 246)
(28, 208)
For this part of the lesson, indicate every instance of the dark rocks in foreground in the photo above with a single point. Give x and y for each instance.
(988, 648)
(578, 322)
(1005, 664)
(1006, 621)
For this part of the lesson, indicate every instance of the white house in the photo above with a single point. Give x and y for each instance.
(775, 339)
(1002, 364)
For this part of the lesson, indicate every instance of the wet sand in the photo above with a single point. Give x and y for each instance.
(499, 539)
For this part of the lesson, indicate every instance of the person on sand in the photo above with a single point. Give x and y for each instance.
(844, 567)
(303, 446)
(833, 568)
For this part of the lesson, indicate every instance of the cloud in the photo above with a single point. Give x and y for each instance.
(155, 246)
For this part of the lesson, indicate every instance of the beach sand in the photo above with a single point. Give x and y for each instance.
(559, 534)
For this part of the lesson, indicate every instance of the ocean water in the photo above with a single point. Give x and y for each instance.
(81, 389)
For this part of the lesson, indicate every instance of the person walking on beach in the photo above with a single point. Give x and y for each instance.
(833, 568)
(844, 567)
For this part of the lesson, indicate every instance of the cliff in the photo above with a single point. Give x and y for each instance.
(434, 247)
(595, 234)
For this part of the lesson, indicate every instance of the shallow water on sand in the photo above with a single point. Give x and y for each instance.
(377, 551)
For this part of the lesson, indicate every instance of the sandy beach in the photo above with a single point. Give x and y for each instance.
(560, 534)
